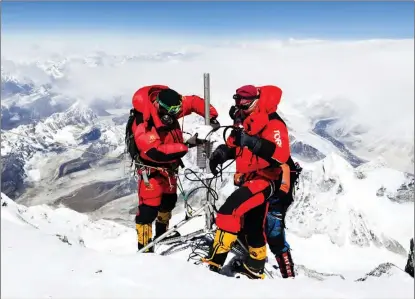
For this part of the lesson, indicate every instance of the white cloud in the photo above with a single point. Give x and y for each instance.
(376, 77)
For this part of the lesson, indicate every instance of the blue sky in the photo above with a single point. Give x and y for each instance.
(273, 19)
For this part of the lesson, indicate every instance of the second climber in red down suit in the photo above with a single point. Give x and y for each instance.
(159, 140)
(260, 148)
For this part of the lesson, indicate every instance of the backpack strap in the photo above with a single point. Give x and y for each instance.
(275, 115)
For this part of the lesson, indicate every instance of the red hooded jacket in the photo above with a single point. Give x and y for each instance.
(156, 142)
(265, 123)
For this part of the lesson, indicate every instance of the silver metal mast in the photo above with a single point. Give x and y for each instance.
(208, 207)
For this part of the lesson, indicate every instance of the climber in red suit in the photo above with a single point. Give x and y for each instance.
(260, 146)
(159, 140)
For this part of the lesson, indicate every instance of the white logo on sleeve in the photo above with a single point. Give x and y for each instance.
(277, 137)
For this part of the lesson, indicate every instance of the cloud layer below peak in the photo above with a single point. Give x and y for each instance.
(371, 81)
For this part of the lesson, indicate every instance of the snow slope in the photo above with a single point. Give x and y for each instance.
(104, 265)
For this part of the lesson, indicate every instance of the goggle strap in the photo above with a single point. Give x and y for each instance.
(238, 97)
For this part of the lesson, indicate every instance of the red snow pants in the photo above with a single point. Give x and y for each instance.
(248, 204)
(159, 196)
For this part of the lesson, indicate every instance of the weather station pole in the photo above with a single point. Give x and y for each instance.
(207, 146)
(206, 84)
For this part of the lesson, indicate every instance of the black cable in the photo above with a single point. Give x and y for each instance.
(200, 246)
(200, 249)
(211, 191)
(187, 205)
(216, 129)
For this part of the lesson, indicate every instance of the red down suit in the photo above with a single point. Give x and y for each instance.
(258, 174)
(258, 171)
(160, 147)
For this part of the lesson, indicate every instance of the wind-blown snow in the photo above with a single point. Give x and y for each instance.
(72, 256)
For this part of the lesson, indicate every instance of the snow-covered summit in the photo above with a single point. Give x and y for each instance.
(46, 132)
(77, 114)
(98, 259)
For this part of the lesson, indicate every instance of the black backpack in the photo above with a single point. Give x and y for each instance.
(129, 136)
(295, 171)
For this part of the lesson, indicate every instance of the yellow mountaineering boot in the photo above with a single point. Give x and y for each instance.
(162, 222)
(253, 267)
(144, 234)
(162, 225)
(221, 246)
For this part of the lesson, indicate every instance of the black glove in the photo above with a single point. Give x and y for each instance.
(214, 124)
(235, 114)
(219, 156)
(174, 166)
(194, 141)
(243, 139)
(232, 112)
(236, 134)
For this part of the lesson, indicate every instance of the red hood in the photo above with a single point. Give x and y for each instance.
(268, 103)
(143, 102)
(269, 99)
